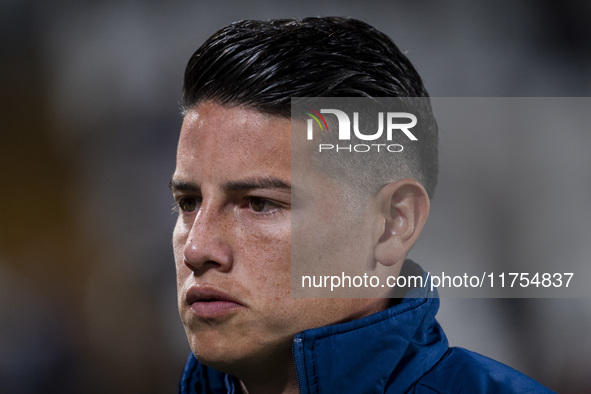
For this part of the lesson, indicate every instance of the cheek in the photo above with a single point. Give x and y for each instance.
(179, 237)
(262, 240)
(266, 261)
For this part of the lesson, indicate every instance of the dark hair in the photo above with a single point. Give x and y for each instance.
(263, 64)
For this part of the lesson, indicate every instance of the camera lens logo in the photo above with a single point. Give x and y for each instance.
(317, 117)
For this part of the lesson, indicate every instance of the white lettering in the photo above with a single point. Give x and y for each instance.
(344, 123)
(357, 148)
(400, 148)
(370, 137)
(403, 127)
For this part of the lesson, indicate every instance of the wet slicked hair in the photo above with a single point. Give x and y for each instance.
(263, 64)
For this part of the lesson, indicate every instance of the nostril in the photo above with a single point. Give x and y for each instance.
(188, 263)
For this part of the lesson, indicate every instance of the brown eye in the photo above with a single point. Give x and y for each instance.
(188, 204)
(258, 204)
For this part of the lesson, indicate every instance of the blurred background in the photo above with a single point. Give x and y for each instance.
(89, 105)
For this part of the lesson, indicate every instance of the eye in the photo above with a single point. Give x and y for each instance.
(188, 204)
(259, 204)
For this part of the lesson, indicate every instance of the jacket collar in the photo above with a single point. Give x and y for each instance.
(392, 348)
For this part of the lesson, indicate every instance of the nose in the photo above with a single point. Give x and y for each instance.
(207, 245)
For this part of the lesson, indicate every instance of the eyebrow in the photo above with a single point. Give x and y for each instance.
(256, 183)
(235, 186)
(183, 186)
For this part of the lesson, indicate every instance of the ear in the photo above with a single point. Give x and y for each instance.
(403, 210)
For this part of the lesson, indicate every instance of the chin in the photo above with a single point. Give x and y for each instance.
(236, 357)
(217, 352)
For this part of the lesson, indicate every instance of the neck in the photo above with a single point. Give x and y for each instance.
(273, 381)
(270, 372)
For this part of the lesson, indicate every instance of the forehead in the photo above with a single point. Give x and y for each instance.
(209, 123)
(217, 138)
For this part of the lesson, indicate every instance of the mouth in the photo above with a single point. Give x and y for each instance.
(210, 303)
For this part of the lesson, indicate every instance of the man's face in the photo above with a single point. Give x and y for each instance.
(232, 239)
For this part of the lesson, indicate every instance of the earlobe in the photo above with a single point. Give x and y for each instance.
(404, 207)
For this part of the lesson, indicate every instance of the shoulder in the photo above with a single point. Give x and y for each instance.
(461, 370)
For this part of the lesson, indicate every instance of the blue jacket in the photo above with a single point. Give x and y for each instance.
(400, 350)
